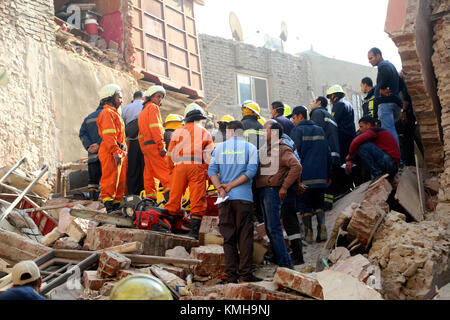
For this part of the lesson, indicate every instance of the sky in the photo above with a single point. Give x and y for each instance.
(341, 29)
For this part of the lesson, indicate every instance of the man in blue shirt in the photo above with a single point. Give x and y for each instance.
(232, 168)
(26, 282)
(277, 113)
(386, 91)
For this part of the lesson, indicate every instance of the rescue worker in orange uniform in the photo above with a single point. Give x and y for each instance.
(112, 152)
(190, 151)
(151, 140)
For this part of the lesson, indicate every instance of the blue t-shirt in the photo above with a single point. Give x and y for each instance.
(230, 160)
(21, 293)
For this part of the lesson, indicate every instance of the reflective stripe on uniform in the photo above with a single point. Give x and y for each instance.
(252, 131)
(335, 154)
(312, 138)
(193, 159)
(154, 125)
(140, 136)
(91, 120)
(107, 199)
(307, 214)
(371, 109)
(294, 236)
(109, 131)
(330, 121)
(148, 142)
(93, 156)
(315, 181)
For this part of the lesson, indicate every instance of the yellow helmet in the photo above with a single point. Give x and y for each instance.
(287, 110)
(108, 91)
(191, 107)
(262, 120)
(226, 118)
(173, 118)
(335, 89)
(252, 105)
(155, 89)
(140, 287)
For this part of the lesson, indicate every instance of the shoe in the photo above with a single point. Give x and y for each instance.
(297, 261)
(110, 207)
(297, 252)
(378, 178)
(321, 233)
(309, 236)
(251, 278)
(270, 258)
(195, 228)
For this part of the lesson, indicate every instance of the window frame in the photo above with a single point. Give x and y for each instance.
(252, 88)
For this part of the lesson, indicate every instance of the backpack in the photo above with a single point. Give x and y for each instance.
(132, 129)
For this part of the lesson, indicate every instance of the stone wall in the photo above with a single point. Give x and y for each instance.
(27, 106)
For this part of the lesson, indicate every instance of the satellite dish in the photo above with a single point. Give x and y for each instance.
(284, 32)
(235, 27)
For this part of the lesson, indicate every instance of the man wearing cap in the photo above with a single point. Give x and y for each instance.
(135, 172)
(151, 140)
(27, 282)
(315, 154)
(173, 122)
(189, 154)
(253, 133)
(220, 135)
(277, 109)
(112, 151)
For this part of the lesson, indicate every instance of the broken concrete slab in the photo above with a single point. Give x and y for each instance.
(175, 282)
(248, 291)
(213, 260)
(353, 266)
(340, 286)
(16, 248)
(68, 243)
(339, 253)
(177, 252)
(51, 237)
(299, 282)
(154, 243)
(408, 194)
(413, 257)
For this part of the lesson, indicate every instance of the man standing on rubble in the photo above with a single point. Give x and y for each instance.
(151, 140)
(313, 149)
(112, 151)
(326, 121)
(386, 91)
(278, 179)
(377, 149)
(27, 282)
(189, 151)
(135, 172)
(232, 168)
(91, 141)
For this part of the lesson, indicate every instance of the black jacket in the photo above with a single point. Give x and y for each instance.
(370, 106)
(253, 131)
(326, 121)
(387, 78)
(89, 133)
(287, 124)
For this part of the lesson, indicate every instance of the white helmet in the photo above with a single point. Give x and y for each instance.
(154, 89)
(108, 91)
(191, 107)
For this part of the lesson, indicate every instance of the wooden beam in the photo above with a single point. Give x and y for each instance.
(141, 259)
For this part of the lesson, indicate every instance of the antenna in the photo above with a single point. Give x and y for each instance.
(235, 26)
(283, 34)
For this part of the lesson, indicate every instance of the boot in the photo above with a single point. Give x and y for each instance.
(195, 227)
(93, 195)
(307, 222)
(109, 205)
(297, 252)
(321, 229)
(166, 196)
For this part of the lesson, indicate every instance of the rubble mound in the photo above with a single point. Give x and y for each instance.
(413, 257)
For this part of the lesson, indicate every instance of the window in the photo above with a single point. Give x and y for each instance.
(253, 88)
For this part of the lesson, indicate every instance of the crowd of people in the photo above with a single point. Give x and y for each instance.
(299, 161)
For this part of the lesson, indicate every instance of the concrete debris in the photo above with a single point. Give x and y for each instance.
(132, 247)
(249, 291)
(20, 179)
(408, 193)
(177, 252)
(353, 266)
(413, 257)
(432, 185)
(443, 293)
(299, 282)
(213, 260)
(16, 248)
(340, 286)
(92, 281)
(51, 237)
(68, 243)
(338, 254)
(178, 284)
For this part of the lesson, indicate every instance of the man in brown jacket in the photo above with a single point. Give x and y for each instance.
(279, 172)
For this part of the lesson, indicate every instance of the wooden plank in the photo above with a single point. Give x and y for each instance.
(142, 259)
(131, 247)
(408, 193)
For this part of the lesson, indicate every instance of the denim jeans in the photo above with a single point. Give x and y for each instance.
(376, 161)
(387, 112)
(271, 205)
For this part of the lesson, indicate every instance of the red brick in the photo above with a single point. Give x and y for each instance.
(253, 292)
(110, 263)
(92, 281)
(107, 288)
(213, 260)
(299, 282)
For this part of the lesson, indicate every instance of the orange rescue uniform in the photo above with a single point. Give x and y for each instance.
(190, 150)
(151, 133)
(112, 130)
